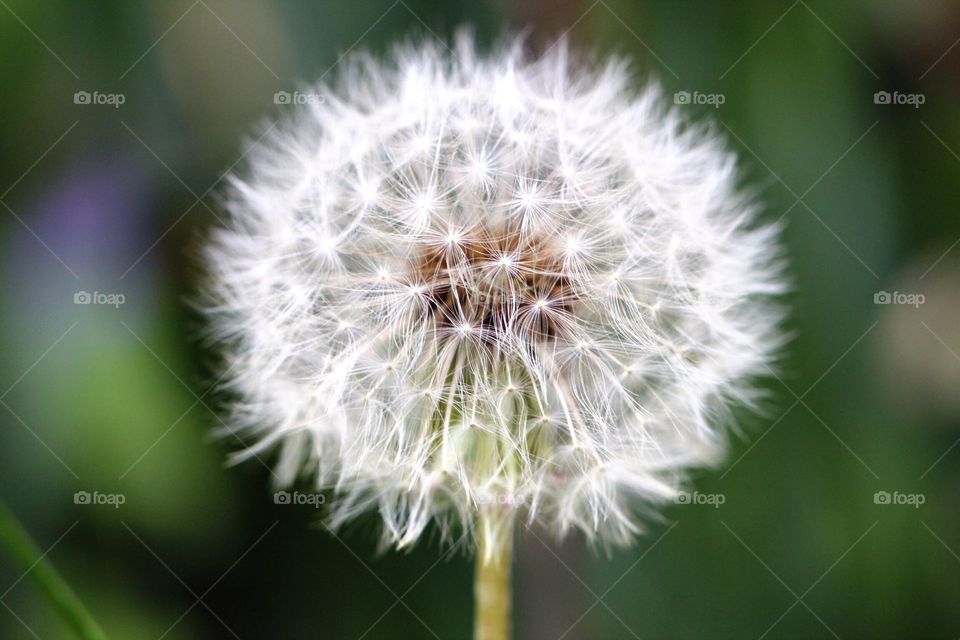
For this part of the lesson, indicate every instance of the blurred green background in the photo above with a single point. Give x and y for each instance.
(819, 534)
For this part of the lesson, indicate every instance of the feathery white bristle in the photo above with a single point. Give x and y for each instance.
(465, 283)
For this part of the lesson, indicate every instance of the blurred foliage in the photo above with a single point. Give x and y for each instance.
(113, 200)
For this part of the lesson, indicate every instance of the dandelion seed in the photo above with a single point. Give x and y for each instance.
(503, 289)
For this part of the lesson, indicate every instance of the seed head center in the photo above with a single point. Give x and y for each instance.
(505, 284)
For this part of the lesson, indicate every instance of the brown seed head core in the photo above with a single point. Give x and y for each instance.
(500, 284)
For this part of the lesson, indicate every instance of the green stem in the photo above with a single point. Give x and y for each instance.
(57, 592)
(492, 592)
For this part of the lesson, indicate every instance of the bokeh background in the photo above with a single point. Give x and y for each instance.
(836, 514)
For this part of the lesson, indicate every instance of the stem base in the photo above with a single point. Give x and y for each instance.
(492, 589)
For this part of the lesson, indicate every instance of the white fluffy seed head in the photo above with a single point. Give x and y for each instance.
(466, 284)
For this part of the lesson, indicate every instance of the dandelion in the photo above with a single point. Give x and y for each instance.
(476, 291)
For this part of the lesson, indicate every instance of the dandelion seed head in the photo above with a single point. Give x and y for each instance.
(475, 283)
